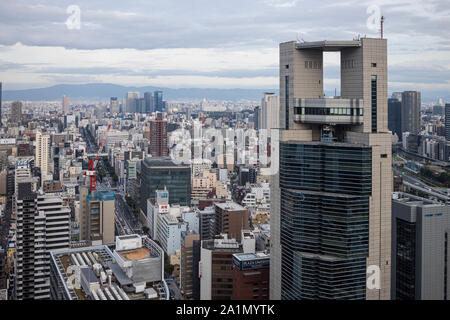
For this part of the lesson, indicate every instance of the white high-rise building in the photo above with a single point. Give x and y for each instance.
(43, 224)
(66, 104)
(269, 117)
(42, 156)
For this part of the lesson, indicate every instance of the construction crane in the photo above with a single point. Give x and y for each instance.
(90, 172)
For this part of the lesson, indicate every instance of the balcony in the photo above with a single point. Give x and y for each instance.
(329, 111)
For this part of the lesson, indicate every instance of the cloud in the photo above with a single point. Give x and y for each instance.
(230, 41)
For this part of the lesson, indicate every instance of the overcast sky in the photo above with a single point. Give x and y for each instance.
(211, 43)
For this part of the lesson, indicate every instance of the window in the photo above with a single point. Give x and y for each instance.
(287, 66)
(374, 65)
(384, 155)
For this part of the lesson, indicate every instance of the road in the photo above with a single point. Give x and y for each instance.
(417, 184)
(174, 289)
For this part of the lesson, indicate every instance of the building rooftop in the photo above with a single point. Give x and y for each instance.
(327, 45)
(102, 276)
(229, 206)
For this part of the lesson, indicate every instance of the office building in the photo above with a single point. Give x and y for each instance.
(160, 173)
(43, 224)
(97, 216)
(411, 112)
(114, 105)
(251, 276)
(140, 105)
(447, 121)
(420, 249)
(187, 262)
(216, 268)
(131, 102)
(16, 112)
(330, 197)
(66, 104)
(230, 218)
(148, 102)
(132, 268)
(158, 138)
(158, 103)
(395, 117)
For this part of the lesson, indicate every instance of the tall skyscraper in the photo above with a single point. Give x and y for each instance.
(66, 104)
(158, 138)
(16, 112)
(131, 102)
(420, 248)
(114, 106)
(43, 224)
(149, 103)
(411, 112)
(158, 103)
(447, 121)
(395, 117)
(42, 155)
(330, 198)
(270, 115)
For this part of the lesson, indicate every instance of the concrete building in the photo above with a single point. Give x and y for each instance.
(43, 224)
(330, 197)
(97, 212)
(420, 249)
(411, 111)
(251, 276)
(269, 114)
(216, 269)
(43, 155)
(187, 262)
(16, 112)
(230, 218)
(132, 268)
(158, 138)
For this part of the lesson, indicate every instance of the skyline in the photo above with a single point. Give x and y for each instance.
(211, 45)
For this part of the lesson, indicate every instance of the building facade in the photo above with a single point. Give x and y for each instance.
(330, 197)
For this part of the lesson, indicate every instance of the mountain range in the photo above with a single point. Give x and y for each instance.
(102, 91)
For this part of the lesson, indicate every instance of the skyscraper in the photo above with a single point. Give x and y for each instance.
(395, 117)
(149, 103)
(158, 138)
(330, 198)
(158, 104)
(43, 224)
(447, 121)
(131, 102)
(114, 106)
(411, 112)
(16, 112)
(42, 155)
(66, 104)
(270, 115)
(420, 249)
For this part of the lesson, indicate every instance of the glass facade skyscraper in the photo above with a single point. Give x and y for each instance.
(325, 190)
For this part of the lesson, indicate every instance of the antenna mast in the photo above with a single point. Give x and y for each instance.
(381, 23)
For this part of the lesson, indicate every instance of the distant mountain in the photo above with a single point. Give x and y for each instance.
(101, 91)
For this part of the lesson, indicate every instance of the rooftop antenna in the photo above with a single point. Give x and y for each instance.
(299, 39)
(381, 23)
